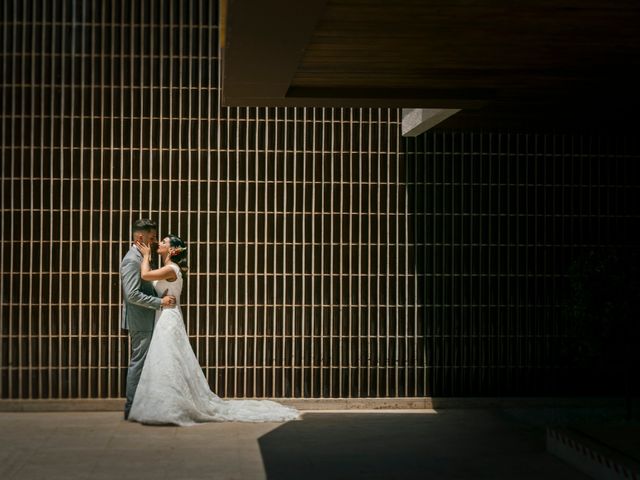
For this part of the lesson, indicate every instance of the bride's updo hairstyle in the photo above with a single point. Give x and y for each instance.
(180, 252)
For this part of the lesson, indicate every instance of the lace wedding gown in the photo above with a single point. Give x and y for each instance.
(172, 387)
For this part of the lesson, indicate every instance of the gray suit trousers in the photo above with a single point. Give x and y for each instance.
(139, 347)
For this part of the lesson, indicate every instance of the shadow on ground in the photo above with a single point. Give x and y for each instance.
(468, 444)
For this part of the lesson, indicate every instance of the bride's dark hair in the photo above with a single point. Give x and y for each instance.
(180, 252)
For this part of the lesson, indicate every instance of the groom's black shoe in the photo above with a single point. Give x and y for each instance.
(126, 414)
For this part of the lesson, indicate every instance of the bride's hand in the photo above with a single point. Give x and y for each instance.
(145, 249)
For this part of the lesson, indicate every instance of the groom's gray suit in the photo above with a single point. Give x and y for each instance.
(138, 316)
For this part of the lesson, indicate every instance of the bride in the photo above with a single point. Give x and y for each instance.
(172, 388)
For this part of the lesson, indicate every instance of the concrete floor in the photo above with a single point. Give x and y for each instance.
(449, 444)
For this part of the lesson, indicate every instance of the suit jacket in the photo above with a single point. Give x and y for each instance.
(140, 300)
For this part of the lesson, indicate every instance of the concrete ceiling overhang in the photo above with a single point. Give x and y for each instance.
(498, 61)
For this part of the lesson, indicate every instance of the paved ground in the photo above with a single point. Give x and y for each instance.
(449, 444)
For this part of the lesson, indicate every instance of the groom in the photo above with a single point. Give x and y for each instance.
(140, 303)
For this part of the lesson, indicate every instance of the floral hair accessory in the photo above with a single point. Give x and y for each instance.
(178, 250)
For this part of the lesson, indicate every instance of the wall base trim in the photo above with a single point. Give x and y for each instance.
(410, 403)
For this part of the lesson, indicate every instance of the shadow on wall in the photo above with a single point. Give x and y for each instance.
(604, 304)
(496, 220)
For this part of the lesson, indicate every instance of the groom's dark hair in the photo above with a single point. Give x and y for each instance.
(143, 225)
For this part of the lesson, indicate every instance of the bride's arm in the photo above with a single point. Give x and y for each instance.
(164, 273)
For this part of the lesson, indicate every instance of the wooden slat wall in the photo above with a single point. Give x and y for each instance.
(497, 220)
(110, 113)
(328, 255)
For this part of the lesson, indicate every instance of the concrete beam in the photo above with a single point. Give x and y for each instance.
(261, 45)
(418, 120)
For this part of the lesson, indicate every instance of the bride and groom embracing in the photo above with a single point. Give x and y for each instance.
(165, 383)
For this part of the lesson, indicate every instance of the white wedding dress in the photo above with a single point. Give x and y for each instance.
(173, 388)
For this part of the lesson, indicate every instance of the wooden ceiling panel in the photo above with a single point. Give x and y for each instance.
(491, 56)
